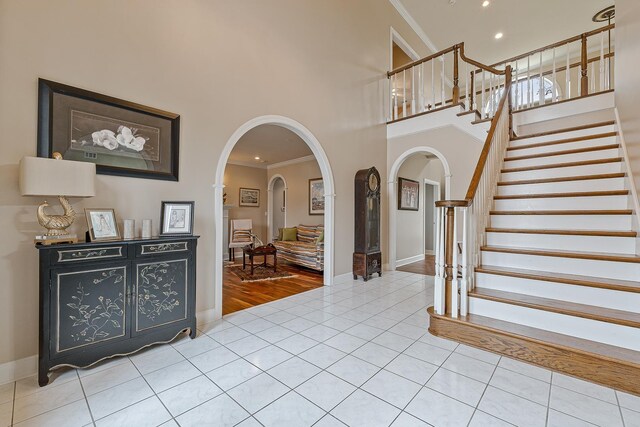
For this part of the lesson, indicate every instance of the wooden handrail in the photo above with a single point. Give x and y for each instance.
(477, 173)
(556, 44)
(421, 60)
(478, 64)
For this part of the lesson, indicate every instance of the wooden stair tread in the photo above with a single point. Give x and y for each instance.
(569, 279)
(603, 233)
(563, 141)
(568, 308)
(487, 119)
(566, 212)
(563, 195)
(563, 130)
(464, 113)
(560, 340)
(597, 256)
(564, 179)
(564, 165)
(564, 152)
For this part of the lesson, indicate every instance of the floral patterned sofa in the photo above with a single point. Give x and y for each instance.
(308, 248)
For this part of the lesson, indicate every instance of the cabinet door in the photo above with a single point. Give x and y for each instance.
(88, 307)
(161, 292)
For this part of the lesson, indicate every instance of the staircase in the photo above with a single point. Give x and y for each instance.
(556, 283)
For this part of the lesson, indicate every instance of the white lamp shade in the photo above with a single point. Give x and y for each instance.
(40, 176)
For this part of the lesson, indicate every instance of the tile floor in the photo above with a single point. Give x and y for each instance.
(353, 354)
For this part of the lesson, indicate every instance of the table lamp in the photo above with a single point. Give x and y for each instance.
(41, 176)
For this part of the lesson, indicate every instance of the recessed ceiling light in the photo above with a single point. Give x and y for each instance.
(485, 3)
(257, 157)
(498, 36)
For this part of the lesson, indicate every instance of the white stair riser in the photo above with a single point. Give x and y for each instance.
(563, 222)
(627, 301)
(608, 333)
(564, 146)
(608, 184)
(584, 170)
(583, 267)
(562, 135)
(564, 158)
(616, 245)
(551, 203)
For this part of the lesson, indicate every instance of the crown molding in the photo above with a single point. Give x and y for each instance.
(414, 25)
(292, 161)
(247, 164)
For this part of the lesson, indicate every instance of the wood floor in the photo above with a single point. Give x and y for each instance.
(238, 296)
(426, 267)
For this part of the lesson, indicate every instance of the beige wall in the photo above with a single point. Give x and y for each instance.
(410, 225)
(297, 177)
(216, 63)
(236, 176)
(628, 79)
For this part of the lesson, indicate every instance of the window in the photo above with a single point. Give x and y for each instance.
(521, 95)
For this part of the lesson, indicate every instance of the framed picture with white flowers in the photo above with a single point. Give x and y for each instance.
(120, 137)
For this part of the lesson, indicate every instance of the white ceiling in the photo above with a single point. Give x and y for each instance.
(272, 143)
(526, 24)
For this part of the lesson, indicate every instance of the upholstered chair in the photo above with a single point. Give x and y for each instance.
(239, 235)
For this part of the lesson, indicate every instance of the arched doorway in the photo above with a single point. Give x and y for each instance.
(393, 193)
(276, 204)
(329, 196)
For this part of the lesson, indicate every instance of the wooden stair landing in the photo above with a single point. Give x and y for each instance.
(601, 363)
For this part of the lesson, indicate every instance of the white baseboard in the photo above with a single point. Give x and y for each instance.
(405, 261)
(18, 369)
(343, 277)
(206, 316)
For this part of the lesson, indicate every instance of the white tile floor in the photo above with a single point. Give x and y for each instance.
(353, 354)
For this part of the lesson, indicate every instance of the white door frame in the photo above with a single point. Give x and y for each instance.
(392, 191)
(436, 197)
(272, 182)
(329, 197)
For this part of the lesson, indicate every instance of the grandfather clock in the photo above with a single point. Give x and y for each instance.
(367, 258)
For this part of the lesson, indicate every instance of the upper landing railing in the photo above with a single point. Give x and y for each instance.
(571, 68)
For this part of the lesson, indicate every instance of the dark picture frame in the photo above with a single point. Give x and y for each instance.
(102, 225)
(121, 137)
(408, 194)
(316, 196)
(176, 218)
(249, 197)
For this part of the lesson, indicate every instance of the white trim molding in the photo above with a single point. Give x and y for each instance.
(247, 164)
(272, 182)
(18, 369)
(410, 260)
(327, 175)
(414, 25)
(308, 158)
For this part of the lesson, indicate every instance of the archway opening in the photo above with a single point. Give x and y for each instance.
(418, 178)
(245, 202)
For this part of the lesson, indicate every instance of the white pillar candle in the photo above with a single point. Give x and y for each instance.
(146, 228)
(129, 228)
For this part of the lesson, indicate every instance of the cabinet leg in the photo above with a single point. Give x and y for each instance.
(43, 377)
(379, 273)
(355, 277)
(193, 332)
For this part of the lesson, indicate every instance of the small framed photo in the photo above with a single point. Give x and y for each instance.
(408, 194)
(249, 197)
(102, 225)
(176, 218)
(316, 196)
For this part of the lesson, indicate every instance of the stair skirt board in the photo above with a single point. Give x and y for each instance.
(616, 202)
(555, 146)
(607, 184)
(565, 172)
(586, 267)
(619, 300)
(564, 222)
(588, 329)
(610, 244)
(524, 140)
(607, 153)
(606, 370)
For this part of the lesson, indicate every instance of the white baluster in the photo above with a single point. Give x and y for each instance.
(442, 98)
(404, 93)
(541, 90)
(601, 69)
(467, 100)
(554, 90)
(395, 97)
(482, 106)
(421, 87)
(592, 79)
(433, 84)
(439, 283)
(413, 90)
(464, 284)
(529, 88)
(567, 73)
(455, 283)
(515, 69)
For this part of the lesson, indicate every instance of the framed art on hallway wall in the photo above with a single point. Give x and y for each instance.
(249, 197)
(120, 137)
(408, 194)
(316, 196)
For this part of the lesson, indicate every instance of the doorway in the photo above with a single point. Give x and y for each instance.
(431, 196)
(277, 206)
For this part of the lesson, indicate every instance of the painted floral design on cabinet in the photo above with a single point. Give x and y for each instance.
(161, 293)
(92, 306)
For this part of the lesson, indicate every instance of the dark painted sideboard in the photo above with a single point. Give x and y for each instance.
(99, 300)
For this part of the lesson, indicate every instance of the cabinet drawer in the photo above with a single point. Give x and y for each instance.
(72, 256)
(146, 249)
